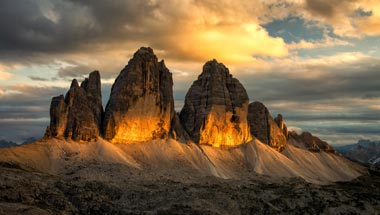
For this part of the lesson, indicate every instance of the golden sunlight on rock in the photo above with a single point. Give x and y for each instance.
(216, 108)
(141, 105)
(144, 121)
(220, 130)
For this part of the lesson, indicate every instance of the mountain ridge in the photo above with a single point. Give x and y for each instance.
(217, 133)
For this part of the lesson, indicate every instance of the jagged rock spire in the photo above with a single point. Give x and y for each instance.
(264, 128)
(78, 115)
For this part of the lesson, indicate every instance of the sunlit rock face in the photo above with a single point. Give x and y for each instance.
(307, 141)
(78, 115)
(215, 109)
(264, 128)
(141, 104)
(281, 124)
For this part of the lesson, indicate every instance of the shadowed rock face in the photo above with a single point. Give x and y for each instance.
(78, 115)
(215, 109)
(264, 128)
(92, 87)
(177, 130)
(141, 105)
(307, 141)
(281, 124)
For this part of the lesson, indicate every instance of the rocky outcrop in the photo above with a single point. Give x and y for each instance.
(141, 105)
(78, 115)
(177, 131)
(281, 124)
(264, 128)
(307, 141)
(92, 87)
(215, 109)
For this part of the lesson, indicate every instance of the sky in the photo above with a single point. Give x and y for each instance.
(315, 61)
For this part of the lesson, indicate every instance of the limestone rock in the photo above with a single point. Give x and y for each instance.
(264, 128)
(281, 124)
(92, 87)
(78, 115)
(215, 109)
(177, 130)
(307, 141)
(141, 105)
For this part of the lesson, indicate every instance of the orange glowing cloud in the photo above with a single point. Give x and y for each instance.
(202, 30)
(3, 74)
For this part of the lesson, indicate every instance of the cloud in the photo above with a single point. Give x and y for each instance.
(3, 74)
(326, 42)
(296, 129)
(186, 30)
(352, 18)
(37, 78)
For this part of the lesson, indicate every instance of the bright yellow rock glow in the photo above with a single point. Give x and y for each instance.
(218, 129)
(144, 121)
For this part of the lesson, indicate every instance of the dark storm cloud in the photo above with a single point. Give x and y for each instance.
(30, 27)
(322, 7)
(314, 82)
(330, 8)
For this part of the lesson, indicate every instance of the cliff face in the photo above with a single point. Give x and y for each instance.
(141, 108)
(78, 115)
(264, 128)
(281, 124)
(141, 105)
(215, 109)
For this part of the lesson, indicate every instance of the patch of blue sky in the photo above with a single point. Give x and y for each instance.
(295, 29)
(46, 74)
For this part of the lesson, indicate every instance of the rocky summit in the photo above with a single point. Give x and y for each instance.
(264, 128)
(78, 115)
(307, 141)
(215, 109)
(281, 124)
(141, 105)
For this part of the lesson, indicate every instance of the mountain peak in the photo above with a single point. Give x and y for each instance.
(215, 110)
(74, 84)
(214, 68)
(141, 105)
(144, 52)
